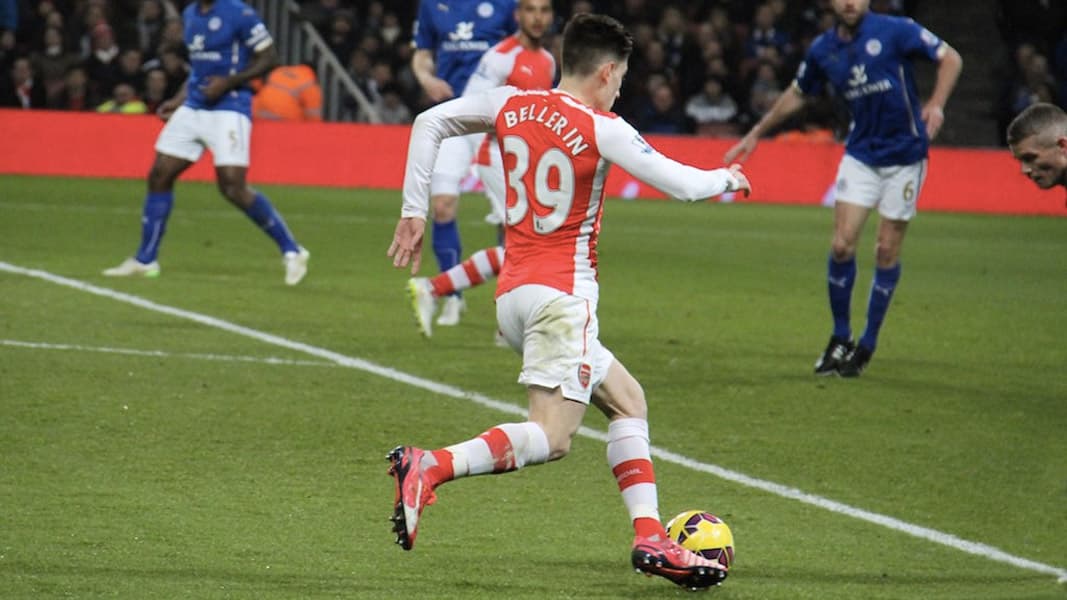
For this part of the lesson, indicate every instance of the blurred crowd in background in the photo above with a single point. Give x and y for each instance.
(706, 67)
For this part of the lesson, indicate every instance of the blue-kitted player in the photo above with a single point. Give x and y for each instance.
(450, 38)
(228, 47)
(867, 59)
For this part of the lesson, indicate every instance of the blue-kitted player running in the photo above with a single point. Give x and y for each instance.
(228, 47)
(450, 38)
(866, 57)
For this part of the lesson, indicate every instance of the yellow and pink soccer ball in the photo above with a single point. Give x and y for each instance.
(705, 534)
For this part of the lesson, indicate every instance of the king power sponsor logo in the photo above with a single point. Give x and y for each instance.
(859, 86)
(462, 39)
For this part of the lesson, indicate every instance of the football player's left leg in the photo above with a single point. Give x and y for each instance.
(886, 275)
(233, 185)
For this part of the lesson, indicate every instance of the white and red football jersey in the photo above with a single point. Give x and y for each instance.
(509, 63)
(557, 152)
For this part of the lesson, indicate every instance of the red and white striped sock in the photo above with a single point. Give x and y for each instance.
(503, 448)
(481, 266)
(630, 457)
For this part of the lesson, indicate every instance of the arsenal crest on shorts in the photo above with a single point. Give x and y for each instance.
(584, 372)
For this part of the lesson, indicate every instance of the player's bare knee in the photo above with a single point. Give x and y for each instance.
(160, 179)
(886, 254)
(232, 190)
(444, 208)
(842, 249)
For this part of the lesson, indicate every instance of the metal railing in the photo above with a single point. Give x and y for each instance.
(297, 41)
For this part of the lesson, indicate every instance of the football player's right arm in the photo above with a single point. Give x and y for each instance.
(789, 102)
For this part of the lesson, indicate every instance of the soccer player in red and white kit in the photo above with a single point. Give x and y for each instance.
(520, 61)
(558, 146)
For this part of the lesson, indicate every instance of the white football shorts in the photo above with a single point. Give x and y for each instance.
(226, 133)
(556, 334)
(894, 190)
(454, 160)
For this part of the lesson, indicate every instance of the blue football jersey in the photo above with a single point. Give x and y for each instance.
(459, 32)
(873, 73)
(221, 41)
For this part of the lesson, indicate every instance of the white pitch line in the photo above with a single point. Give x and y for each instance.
(267, 360)
(925, 533)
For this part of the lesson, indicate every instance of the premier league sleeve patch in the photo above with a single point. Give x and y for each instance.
(641, 144)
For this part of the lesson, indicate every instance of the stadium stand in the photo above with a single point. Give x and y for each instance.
(705, 67)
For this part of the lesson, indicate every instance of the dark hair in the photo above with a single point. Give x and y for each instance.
(1037, 118)
(590, 40)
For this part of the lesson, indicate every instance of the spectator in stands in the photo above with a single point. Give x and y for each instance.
(390, 31)
(340, 37)
(173, 36)
(290, 93)
(52, 61)
(102, 64)
(371, 44)
(373, 18)
(391, 108)
(20, 88)
(581, 7)
(767, 42)
(173, 64)
(152, 16)
(764, 91)
(92, 15)
(123, 101)
(678, 48)
(1059, 65)
(359, 68)
(319, 13)
(155, 89)
(712, 111)
(725, 33)
(1036, 86)
(633, 12)
(662, 113)
(129, 69)
(76, 94)
(1026, 82)
(7, 49)
(58, 20)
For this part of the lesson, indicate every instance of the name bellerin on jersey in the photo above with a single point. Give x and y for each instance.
(555, 123)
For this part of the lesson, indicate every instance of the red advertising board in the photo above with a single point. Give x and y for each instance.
(372, 156)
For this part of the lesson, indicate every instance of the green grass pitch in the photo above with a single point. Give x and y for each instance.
(188, 466)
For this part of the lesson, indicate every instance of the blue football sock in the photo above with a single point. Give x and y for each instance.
(157, 207)
(840, 277)
(885, 281)
(446, 246)
(268, 219)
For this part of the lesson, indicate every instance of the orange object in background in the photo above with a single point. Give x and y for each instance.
(291, 93)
